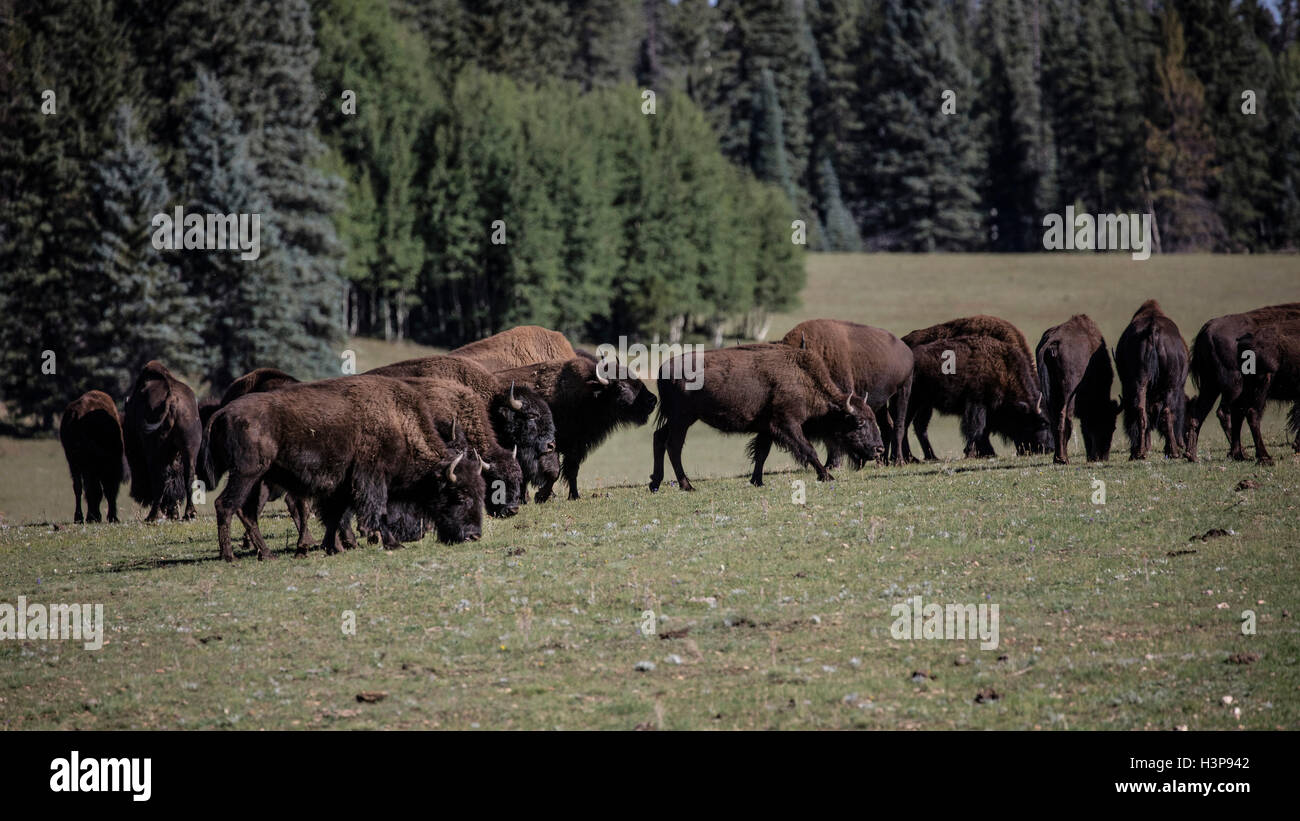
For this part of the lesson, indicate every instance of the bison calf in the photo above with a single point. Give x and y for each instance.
(1075, 374)
(782, 394)
(988, 383)
(91, 435)
(1151, 358)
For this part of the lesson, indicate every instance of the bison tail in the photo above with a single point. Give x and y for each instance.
(213, 462)
(1050, 351)
(1202, 357)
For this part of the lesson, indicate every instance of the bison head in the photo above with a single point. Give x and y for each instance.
(622, 401)
(504, 485)
(1025, 426)
(1103, 429)
(455, 498)
(853, 427)
(530, 428)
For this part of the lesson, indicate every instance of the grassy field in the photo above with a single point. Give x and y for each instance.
(769, 613)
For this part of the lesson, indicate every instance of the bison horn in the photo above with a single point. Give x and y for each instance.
(514, 454)
(603, 380)
(482, 466)
(514, 403)
(848, 403)
(451, 469)
(1038, 408)
(803, 341)
(453, 427)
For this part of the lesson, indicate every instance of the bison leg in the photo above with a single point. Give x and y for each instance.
(921, 427)
(762, 446)
(1062, 455)
(660, 444)
(77, 489)
(1236, 450)
(790, 436)
(298, 513)
(94, 493)
(834, 455)
(569, 470)
(676, 439)
(1253, 415)
(187, 467)
(232, 499)
(1172, 447)
(974, 420)
(110, 494)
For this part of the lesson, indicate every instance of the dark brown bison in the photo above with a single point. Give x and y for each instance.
(91, 435)
(520, 418)
(162, 435)
(989, 383)
(1151, 358)
(870, 361)
(525, 345)
(978, 325)
(1275, 375)
(367, 445)
(1075, 374)
(783, 394)
(256, 381)
(586, 405)
(1217, 375)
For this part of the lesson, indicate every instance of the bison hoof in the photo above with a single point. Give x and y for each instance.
(264, 557)
(654, 486)
(1267, 461)
(300, 553)
(756, 482)
(685, 484)
(78, 520)
(1061, 460)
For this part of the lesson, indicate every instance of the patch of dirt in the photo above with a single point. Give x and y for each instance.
(1247, 484)
(371, 697)
(1243, 658)
(675, 634)
(1212, 533)
(1180, 552)
(986, 695)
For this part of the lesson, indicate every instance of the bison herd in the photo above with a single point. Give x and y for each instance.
(430, 444)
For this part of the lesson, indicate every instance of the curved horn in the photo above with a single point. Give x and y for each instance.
(803, 341)
(453, 427)
(451, 469)
(600, 378)
(514, 403)
(848, 403)
(482, 466)
(514, 454)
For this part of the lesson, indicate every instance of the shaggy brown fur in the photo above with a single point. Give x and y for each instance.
(458, 407)
(978, 325)
(1075, 374)
(1216, 374)
(162, 434)
(782, 394)
(367, 444)
(525, 345)
(91, 435)
(865, 361)
(992, 387)
(586, 410)
(1276, 346)
(530, 427)
(1151, 358)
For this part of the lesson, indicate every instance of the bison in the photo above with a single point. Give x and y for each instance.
(978, 325)
(91, 435)
(986, 381)
(1276, 375)
(1151, 358)
(520, 418)
(866, 359)
(587, 407)
(525, 345)
(1215, 372)
(784, 395)
(162, 435)
(1075, 374)
(256, 381)
(365, 444)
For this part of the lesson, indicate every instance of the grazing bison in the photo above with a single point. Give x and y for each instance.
(1075, 374)
(91, 435)
(870, 361)
(256, 381)
(1216, 373)
(1276, 375)
(366, 444)
(519, 416)
(162, 438)
(1151, 358)
(587, 408)
(783, 394)
(525, 345)
(986, 381)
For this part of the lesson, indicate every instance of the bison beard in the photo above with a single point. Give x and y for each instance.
(782, 394)
(871, 361)
(993, 390)
(586, 407)
(520, 418)
(162, 434)
(91, 435)
(368, 445)
(1215, 372)
(1276, 377)
(1151, 358)
(525, 345)
(1075, 374)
